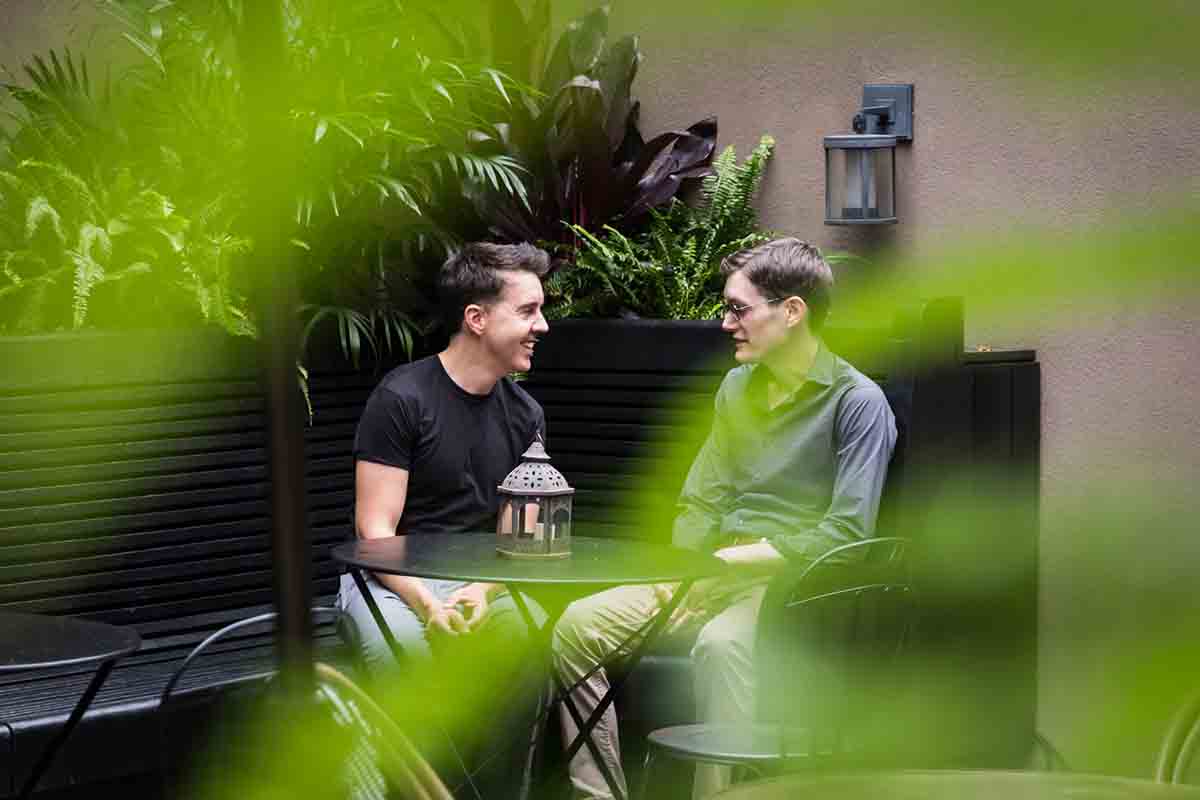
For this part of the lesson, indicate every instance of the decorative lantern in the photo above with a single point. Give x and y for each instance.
(860, 168)
(535, 509)
(860, 180)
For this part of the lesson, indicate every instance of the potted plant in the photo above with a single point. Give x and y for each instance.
(122, 201)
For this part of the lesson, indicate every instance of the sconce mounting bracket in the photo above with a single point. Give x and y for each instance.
(899, 122)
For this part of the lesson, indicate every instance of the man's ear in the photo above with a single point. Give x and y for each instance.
(475, 318)
(796, 310)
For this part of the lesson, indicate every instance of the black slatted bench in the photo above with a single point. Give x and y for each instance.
(133, 490)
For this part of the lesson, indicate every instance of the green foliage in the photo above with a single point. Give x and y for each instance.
(125, 205)
(577, 138)
(670, 269)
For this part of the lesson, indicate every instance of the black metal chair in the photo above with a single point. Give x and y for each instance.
(1179, 746)
(253, 674)
(384, 764)
(827, 653)
(405, 770)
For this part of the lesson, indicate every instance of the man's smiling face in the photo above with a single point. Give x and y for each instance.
(515, 321)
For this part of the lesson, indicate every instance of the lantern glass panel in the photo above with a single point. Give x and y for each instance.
(531, 527)
(560, 518)
(859, 184)
(505, 522)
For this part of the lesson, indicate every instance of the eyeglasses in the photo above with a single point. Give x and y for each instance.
(738, 312)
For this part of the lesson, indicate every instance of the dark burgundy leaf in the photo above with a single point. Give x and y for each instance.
(633, 143)
(586, 37)
(558, 67)
(705, 128)
(616, 75)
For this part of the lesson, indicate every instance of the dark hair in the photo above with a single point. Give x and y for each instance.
(785, 267)
(472, 275)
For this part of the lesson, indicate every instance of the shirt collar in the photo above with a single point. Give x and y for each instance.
(820, 371)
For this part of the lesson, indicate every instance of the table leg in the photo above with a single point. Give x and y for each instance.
(377, 615)
(540, 637)
(660, 621)
(60, 738)
(585, 727)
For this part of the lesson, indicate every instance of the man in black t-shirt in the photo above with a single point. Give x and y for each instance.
(436, 439)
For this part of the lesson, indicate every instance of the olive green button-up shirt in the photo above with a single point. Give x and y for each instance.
(806, 475)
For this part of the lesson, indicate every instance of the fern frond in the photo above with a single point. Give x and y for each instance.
(40, 212)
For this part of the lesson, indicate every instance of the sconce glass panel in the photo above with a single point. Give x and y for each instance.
(860, 180)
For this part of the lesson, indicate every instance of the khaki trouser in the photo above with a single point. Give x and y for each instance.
(592, 628)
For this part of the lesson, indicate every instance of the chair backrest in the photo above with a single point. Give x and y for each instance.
(251, 672)
(829, 642)
(407, 772)
(1180, 745)
(340, 737)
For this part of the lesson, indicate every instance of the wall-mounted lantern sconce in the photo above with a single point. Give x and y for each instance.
(860, 168)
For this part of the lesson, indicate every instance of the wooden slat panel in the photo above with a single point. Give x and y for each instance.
(124, 523)
(72, 455)
(322, 489)
(195, 552)
(160, 483)
(119, 434)
(195, 499)
(337, 432)
(124, 397)
(665, 382)
(557, 413)
(133, 604)
(622, 397)
(48, 550)
(67, 474)
(46, 419)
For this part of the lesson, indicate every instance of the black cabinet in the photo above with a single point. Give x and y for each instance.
(975, 653)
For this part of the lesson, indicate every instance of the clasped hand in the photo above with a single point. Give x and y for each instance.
(461, 612)
(709, 595)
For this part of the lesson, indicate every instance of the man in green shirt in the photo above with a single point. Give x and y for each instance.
(793, 466)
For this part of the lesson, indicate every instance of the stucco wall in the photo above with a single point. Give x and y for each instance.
(29, 27)
(1002, 141)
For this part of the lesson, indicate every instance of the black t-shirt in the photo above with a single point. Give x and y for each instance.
(457, 446)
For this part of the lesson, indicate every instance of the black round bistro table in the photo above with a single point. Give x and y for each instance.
(594, 565)
(32, 641)
(960, 785)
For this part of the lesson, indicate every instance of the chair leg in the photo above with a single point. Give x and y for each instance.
(647, 764)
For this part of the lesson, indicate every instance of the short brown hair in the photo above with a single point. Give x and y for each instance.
(472, 275)
(785, 267)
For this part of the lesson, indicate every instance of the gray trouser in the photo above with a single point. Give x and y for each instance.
(506, 636)
(359, 626)
(592, 628)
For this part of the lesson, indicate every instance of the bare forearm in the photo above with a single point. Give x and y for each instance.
(412, 591)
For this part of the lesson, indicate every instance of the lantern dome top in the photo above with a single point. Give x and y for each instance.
(535, 476)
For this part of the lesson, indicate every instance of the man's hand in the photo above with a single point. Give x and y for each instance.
(758, 555)
(473, 600)
(446, 621)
